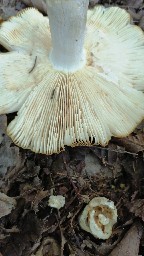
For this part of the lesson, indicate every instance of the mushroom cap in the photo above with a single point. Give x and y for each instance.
(28, 32)
(101, 100)
(22, 40)
(98, 217)
(56, 201)
(117, 46)
(75, 109)
(15, 84)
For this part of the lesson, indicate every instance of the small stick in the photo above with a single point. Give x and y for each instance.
(63, 240)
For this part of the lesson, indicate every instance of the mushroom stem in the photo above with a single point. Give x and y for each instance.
(67, 24)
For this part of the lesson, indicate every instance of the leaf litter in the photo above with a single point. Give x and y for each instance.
(29, 227)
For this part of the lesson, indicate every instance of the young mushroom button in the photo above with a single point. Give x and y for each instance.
(98, 217)
(75, 78)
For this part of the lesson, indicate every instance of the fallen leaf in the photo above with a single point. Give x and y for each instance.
(49, 247)
(132, 143)
(9, 8)
(6, 204)
(134, 3)
(141, 23)
(137, 207)
(39, 197)
(129, 245)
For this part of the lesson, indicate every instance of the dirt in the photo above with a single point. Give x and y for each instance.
(29, 227)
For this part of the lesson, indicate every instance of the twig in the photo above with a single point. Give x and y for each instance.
(63, 240)
(118, 151)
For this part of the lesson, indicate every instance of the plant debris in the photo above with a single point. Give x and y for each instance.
(129, 246)
(6, 204)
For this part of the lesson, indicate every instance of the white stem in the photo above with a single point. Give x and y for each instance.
(67, 24)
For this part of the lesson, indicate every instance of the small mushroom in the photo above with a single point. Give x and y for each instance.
(98, 217)
(72, 82)
(56, 201)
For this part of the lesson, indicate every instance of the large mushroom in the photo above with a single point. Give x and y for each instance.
(72, 83)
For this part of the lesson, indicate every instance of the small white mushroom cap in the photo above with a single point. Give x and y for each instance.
(56, 201)
(98, 217)
(89, 106)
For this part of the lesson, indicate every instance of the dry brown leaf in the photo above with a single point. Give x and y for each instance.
(92, 3)
(134, 3)
(9, 8)
(39, 4)
(9, 155)
(6, 204)
(132, 143)
(39, 197)
(129, 245)
(49, 247)
(135, 16)
(137, 207)
(141, 23)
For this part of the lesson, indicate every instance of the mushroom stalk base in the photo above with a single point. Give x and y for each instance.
(67, 24)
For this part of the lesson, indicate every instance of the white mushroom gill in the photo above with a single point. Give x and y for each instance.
(71, 85)
(98, 217)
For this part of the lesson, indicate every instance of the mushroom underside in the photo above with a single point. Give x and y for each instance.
(16, 82)
(75, 109)
(101, 100)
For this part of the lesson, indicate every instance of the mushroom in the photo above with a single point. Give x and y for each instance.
(56, 201)
(72, 82)
(98, 217)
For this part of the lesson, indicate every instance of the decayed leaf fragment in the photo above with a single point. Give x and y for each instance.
(6, 204)
(129, 246)
(39, 4)
(49, 247)
(132, 143)
(80, 89)
(137, 207)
